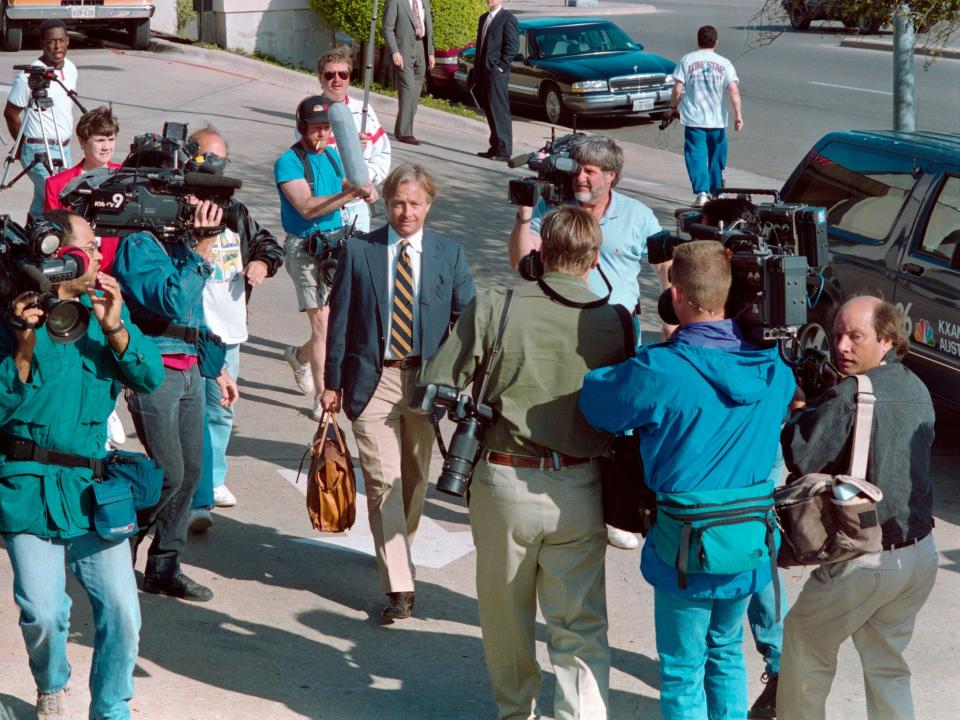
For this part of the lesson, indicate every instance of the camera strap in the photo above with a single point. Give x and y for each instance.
(554, 295)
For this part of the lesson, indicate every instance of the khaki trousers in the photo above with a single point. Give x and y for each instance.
(395, 445)
(874, 599)
(540, 536)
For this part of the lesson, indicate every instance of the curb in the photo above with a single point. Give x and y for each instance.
(887, 45)
(604, 10)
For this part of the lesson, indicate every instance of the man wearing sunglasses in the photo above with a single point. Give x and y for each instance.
(334, 68)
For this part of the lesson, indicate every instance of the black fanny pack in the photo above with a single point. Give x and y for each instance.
(211, 351)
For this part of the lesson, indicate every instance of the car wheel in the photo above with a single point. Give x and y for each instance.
(868, 25)
(139, 32)
(12, 31)
(799, 17)
(553, 108)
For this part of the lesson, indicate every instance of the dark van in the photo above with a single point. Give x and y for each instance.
(893, 216)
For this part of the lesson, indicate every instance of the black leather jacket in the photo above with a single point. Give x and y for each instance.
(257, 243)
(819, 439)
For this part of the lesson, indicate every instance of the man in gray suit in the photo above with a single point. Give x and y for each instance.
(408, 31)
(395, 294)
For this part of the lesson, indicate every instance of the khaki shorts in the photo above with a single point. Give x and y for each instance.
(312, 292)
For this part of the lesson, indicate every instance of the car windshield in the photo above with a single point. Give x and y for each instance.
(582, 39)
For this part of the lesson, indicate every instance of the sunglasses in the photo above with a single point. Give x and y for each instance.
(331, 74)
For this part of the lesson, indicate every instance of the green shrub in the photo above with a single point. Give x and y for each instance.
(454, 21)
(185, 14)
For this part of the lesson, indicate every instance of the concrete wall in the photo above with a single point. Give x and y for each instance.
(286, 29)
(164, 16)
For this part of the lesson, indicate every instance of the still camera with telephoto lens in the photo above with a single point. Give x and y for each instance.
(33, 260)
(325, 248)
(155, 189)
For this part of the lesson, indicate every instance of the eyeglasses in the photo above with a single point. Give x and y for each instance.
(331, 74)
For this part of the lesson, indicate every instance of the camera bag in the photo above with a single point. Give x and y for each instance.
(331, 484)
(114, 513)
(830, 518)
(140, 472)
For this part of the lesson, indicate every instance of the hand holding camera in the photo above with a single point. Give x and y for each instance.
(106, 308)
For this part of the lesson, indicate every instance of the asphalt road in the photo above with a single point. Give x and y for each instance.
(794, 90)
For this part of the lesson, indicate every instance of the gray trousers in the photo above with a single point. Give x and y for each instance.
(874, 599)
(409, 84)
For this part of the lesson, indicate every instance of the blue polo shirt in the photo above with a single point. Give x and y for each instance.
(328, 180)
(626, 224)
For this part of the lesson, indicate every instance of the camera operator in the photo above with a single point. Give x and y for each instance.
(625, 224)
(873, 598)
(56, 397)
(242, 259)
(163, 284)
(40, 124)
(707, 406)
(310, 180)
(535, 505)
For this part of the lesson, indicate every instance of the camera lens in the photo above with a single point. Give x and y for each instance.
(67, 320)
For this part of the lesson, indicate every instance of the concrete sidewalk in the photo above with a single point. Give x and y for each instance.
(292, 631)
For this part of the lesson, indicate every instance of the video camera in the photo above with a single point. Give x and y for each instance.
(33, 260)
(555, 170)
(326, 247)
(150, 191)
(466, 445)
(775, 263)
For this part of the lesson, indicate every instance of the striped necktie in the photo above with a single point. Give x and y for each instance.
(401, 329)
(417, 20)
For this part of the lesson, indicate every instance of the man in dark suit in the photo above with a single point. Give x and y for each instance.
(407, 29)
(497, 44)
(396, 293)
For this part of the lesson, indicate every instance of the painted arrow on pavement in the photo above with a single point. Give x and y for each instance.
(433, 547)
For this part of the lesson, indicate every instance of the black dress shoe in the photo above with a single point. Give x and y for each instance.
(486, 153)
(179, 586)
(399, 606)
(500, 157)
(408, 139)
(765, 707)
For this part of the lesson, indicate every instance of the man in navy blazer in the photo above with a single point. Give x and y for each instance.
(396, 294)
(497, 43)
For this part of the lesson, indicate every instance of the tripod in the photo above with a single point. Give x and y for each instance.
(39, 101)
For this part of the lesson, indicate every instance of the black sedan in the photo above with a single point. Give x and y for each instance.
(582, 66)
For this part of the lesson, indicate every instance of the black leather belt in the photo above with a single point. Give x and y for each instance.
(407, 363)
(27, 450)
(553, 461)
(906, 543)
(168, 329)
(38, 141)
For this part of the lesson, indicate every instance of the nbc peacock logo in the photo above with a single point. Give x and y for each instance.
(923, 333)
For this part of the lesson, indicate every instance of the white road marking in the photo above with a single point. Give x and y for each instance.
(855, 89)
(434, 546)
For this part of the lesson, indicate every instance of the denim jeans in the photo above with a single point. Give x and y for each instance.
(169, 423)
(705, 153)
(39, 173)
(39, 588)
(702, 674)
(217, 425)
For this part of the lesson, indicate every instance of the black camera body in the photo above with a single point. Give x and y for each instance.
(466, 445)
(326, 247)
(555, 170)
(150, 191)
(38, 78)
(28, 263)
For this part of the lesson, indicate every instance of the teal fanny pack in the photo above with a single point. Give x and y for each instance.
(717, 532)
(131, 481)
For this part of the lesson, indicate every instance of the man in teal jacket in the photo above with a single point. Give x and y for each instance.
(707, 406)
(56, 396)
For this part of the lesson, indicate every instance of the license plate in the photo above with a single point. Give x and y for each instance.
(643, 104)
(79, 12)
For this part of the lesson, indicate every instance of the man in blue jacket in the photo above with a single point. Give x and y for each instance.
(163, 283)
(54, 402)
(707, 406)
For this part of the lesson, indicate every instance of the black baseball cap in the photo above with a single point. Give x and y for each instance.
(313, 110)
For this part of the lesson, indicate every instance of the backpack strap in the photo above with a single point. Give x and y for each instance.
(862, 427)
(629, 338)
(308, 168)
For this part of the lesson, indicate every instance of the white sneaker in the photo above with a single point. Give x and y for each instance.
(302, 373)
(51, 706)
(700, 199)
(621, 538)
(317, 413)
(115, 431)
(222, 497)
(200, 521)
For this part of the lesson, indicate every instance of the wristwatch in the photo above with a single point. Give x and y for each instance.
(114, 330)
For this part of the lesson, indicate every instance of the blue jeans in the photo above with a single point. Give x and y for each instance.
(705, 153)
(39, 173)
(39, 588)
(169, 423)
(702, 674)
(217, 425)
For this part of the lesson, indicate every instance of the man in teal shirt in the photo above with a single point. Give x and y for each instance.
(57, 396)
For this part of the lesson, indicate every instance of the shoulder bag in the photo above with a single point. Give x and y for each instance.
(830, 518)
(331, 484)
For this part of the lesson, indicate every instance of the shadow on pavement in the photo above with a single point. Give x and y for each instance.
(12, 708)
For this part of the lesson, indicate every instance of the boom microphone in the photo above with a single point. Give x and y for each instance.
(348, 144)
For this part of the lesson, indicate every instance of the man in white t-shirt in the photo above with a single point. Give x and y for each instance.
(702, 77)
(55, 125)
